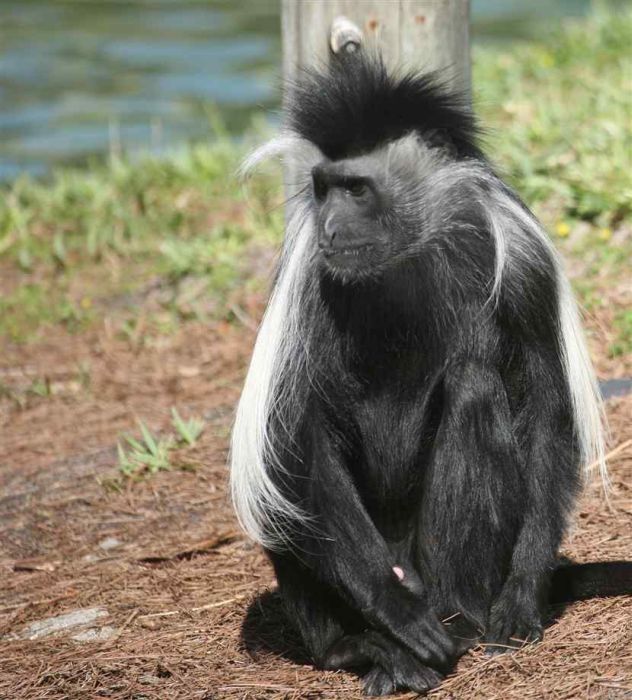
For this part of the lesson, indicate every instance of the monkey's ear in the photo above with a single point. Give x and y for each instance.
(441, 138)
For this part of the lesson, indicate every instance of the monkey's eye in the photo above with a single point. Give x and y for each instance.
(355, 189)
(320, 189)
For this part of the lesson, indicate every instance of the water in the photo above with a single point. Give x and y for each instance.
(79, 78)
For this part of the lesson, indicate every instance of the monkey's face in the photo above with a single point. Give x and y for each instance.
(350, 207)
(368, 209)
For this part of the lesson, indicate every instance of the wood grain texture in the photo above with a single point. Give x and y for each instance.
(410, 34)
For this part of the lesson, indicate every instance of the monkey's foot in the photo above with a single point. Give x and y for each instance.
(513, 624)
(379, 682)
(393, 668)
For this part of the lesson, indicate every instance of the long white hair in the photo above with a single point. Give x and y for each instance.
(263, 510)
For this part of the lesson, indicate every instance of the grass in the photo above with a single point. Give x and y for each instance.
(151, 453)
(623, 327)
(179, 238)
(74, 247)
(560, 114)
(188, 430)
(34, 304)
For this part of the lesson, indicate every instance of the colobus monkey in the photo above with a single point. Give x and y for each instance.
(420, 401)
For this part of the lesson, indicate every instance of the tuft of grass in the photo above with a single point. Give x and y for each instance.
(188, 430)
(112, 229)
(34, 305)
(152, 453)
(149, 455)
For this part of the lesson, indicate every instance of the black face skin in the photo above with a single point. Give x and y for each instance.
(350, 205)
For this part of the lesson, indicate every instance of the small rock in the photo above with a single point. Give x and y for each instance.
(60, 623)
(110, 543)
(95, 634)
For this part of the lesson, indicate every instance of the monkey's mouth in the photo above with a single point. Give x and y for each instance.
(347, 253)
(352, 263)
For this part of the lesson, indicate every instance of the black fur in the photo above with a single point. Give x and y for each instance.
(357, 105)
(429, 429)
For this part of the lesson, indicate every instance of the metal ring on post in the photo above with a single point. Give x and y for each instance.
(345, 36)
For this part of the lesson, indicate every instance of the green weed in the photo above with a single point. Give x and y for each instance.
(35, 305)
(188, 430)
(152, 453)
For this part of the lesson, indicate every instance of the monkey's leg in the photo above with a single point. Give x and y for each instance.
(347, 553)
(317, 613)
(473, 495)
(551, 480)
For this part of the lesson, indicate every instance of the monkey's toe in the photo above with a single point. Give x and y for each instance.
(515, 621)
(377, 683)
(512, 634)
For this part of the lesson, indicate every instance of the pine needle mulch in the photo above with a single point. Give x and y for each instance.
(186, 605)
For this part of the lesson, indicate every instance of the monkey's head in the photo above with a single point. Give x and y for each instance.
(376, 137)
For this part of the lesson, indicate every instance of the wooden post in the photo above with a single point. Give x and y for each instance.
(410, 34)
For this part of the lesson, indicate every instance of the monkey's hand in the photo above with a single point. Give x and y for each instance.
(406, 616)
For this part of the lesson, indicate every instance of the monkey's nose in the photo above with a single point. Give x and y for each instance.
(330, 229)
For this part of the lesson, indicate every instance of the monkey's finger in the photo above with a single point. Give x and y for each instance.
(433, 648)
(426, 651)
(437, 636)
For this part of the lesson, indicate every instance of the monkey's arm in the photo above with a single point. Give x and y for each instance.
(352, 556)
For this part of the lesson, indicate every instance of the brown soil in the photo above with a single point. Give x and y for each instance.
(188, 595)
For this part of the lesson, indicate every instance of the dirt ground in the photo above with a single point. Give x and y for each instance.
(185, 604)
